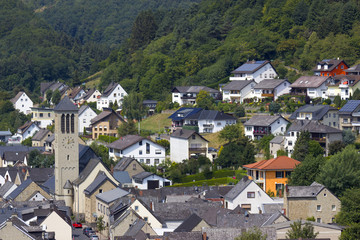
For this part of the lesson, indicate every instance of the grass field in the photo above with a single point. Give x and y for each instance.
(213, 139)
(156, 123)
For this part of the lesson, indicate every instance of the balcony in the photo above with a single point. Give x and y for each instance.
(343, 85)
(261, 132)
(319, 139)
(208, 125)
(267, 95)
(188, 97)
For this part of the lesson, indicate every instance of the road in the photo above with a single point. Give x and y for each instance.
(78, 234)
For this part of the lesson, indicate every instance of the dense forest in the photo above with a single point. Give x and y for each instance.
(151, 46)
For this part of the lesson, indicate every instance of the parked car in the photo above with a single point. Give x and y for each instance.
(86, 230)
(77, 225)
(90, 233)
(94, 237)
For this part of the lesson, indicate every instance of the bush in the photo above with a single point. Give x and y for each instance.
(108, 139)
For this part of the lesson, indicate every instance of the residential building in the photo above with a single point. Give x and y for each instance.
(85, 116)
(248, 195)
(113, 93)
(142, 149)
(324, 114)
(25, 131)
(209, 121)
(146, 213)
(5, 135)
(49, 143)
(193, 223)
(148, 180)
(349, 116)
(106, 123)
(254, 70)
(271, 88)
(238, 91)
(15, 228)
(330, 67)
(302, 202)
(185, 144)
(276, 144)
(188, 94)
(150, 105)
(272, 174)
(28, 191)
(22, 102)
(53, 86)
(343, 86)
(77, 94)
(58, 222)
(261, 125)
(5, 189)
(38, 140)
(129, 165)
(311, 86)
(43, 116)
(354, 70)
(91, 95)
(178, 117)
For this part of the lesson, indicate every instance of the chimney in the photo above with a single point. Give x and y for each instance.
(112, 169)
(204, 237)
(140, 193)
(151, 206)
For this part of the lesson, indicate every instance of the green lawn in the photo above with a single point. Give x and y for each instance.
(156, 123)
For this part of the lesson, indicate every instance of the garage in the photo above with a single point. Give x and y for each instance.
(152, 184)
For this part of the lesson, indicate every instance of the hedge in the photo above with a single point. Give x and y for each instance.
(210, 182)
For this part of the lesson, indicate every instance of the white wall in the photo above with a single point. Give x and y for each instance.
(179, 149)
(24, 104)
(282, 89)
(246, 92)
(13, 187)
(266, 72)
(144, 184)
(292, 140)
(217, 125)
(317, 92)
(117, 94)
(85, 118)
(279, 126)
(54, 223)
(176, 97)
(37, 197)
(144, 213)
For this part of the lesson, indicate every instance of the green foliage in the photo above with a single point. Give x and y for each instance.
(350, 207)
(102, 152)
(27, 142)
(107, 139)
(252, 234)
(315, 149)
(204, 100)
(56, 97)
(301, 148)
(100, 224)
(264, 144)
(127, 128)
(274, 107)
(311, 219)
(327, 101)
(209, 182)
(239, 111)
(348, 137)
(351, 232)
(281, 153)
(356, 95)
(133, 107)
(335, 147)
(231, 133)
(299, 231)
(38, 160)
(305, 173)
(337, 101)
(165, 143)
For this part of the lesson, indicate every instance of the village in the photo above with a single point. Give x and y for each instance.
(211, 173)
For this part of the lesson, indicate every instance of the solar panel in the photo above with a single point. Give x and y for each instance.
(350, 106)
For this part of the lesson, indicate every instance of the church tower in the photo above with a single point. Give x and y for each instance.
(66, 148)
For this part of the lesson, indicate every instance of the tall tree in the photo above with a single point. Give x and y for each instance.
(231, 133)
(143, 30)
(204, 100)
(301, 148)
(56, 97)
(133, 107)
(252, 234)
(299, 231)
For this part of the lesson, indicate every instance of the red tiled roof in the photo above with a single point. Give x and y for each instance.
(279, 163)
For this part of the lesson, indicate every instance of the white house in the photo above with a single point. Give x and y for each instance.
(25, 131)
(248, 195)
(237, 91)
(148, 180)
(271, 88)
(261, 125)
(254, 70)
(187, 94)
(5, 135)
(210, 121)
(77, 94)
(142, 149)
(22, 103)
(6, 188)
(59, 223)
(312, 86)
(92, 95)
(187, 143)
(85, 116)
(113, 93)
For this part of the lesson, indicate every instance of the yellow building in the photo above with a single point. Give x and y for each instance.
(43, 116)
(271, 175)
(106, 123)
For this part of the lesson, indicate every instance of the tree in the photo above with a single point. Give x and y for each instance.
(127, 128)
(56, 97)
(335, 147)
(337, 101)
(301, 148)
(38, 160)
(231, 133)
(274, 107)
(356, 95)
(341, 171)
(166, 144)
(49, 94)
(305, 173)
(264, 144)
(281, 153)
(348, 137)
(252, 234)
(133, 107)
(100, 224)
(27, 142)
(102, 152)
(351, 232)
(350, 207)
(143, 30)
(297, 231)
(239, 111)
(204, 100)
(315, 148)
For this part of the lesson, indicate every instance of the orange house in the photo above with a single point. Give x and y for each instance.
(272, 174)
(330, 67)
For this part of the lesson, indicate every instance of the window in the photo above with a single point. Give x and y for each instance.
(100, 190)
(147, 148)
(99, 206)
(84, 120)
(141, 160)
(250, 194)
(147, 161)
(290, 143)
(334, 115)
(134, 166)
(318, 220)
(333, 207)
(67, 123)
(282, 128)
(292, 134)
(287, 174)
(111, 150)
(114, 94)
(157, 161)
(157, 151)
(140, 143)
(279, 186)
(279, 174)
(248, 129)
(145, 219)
(334, 124)
(193, 136)
(68, 157)
(246, 206)
(49, 114)
(218, 124)
(41, 115)
(140, 152)
(318, 207)
(342, 66)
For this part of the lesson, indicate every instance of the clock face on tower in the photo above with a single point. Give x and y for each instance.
(68, 142)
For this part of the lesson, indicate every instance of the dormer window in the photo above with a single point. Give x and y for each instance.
(319, 66)
(325, 66)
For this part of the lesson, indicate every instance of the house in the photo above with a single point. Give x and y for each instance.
(53, 86)
(15, 228)
(254, 70)
(349, 116)
(5, 135)
(148, 180)
(271, 88)
(106, 123)
(49, 146)
(343, 86)
(302, 202)
(311, 86)
(321, 133)
(28, 191)
(185, 144)
(248, 195)
(193, 223)
(261, 125)
(178, 117)
(11, 158)
(129, 165)
(150, 105)
(12, 174)
(6, 189)
(113, 93)
(25, 131)
(272, 174)
(42, 116)
(39, 175)
(238, 91)
(142, 149)
(147, 213)
(92, 95)
(187, 94)
(58, 222)
(85, 116)
(276, 144)
(38, 140)
(209, 121)
(22, 102)
(76, 94)
(330, 67)
(354, 70)
(324, 114)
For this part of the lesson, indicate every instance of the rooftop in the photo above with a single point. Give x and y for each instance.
(279, 163)
(318, 111)
(262, 120)
(238, 188)
(125, 142)
(237, 85)
(331, 63)
(270, 83)
(309, 82)
(185, 134)
(66, 105)
(112, 195)
(194, 89)
(250, 67)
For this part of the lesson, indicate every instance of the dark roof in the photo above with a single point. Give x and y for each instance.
(110, 88)
(250, 67)
(41, 134)
(246, 220)
(19, 189)
(5, 133)
(112, 195)
(183, 235)
(104, 114)
(123, 163)
(194, 89)
(50, 139)
(14, 99)
(262, 120)
(189, 224)
(183, 113)
(75, 92)
(239, 187)
(49, 185)
(44, 86)
(141, 176)
(125, 142)
(26, 126)
(98, 181)
(85, 154)
(5, 187)
(277, 139)
(332, 63)
(312, 127)
(288, 224)
(211, 115)
(87, 170)
(355, 68)
(149, 102)
(89, 93)
(217, 192)
(237, 85)
(14, 156)
(304, 191)
(66, 105)
(318, 111)
(309, 82)
(185, 134)
(135, 228)
(270, 83)
(40, 175)
(122, 177)
(82, 109)
(349, 107)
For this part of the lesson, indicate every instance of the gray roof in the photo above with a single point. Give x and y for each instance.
(112, 195)
(270, 83)
(19, 189)
(68, 185)
(250, 67)
(82, 109)
(5, 133)
(14, 156)
(5, 188)
(14, 99)
(125, 142)
(318, 111)
(309, 82)
(287, 224)
(312, 127)
(185, 235)
(110, 88)
(141, 176)
(49, 185)
(40, 175)
(273, 207)
(277, 139)
(41, 134)
(262, 120)
(98, 181)
(185, 134)
(355, 68)
(89, 93)
(50, 139)
(135, 228)
(189, 224)
(66, 105)
(246, 220)
(304, 191)
(239, 187)
(237, 85)
(124, 163)
(104, 114)
(122, 177)
(194, 89)
(211, 115)
(86, 171)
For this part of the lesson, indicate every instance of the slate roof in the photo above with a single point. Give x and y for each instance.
(14, 156)
(44, 86)
(183, 235)
(89, 93)
(5, 133)
(104, 114)
(86, 171)
(250, 67)
(270, 83)
(349, 107)
(66, 105)
(98, 181)
(20, 225)
(189, 224)
(332, 63)
(40, 175)
(312, 127)
(122, 177)
(75, 92)
(277, 140)
(309, 82)
(262, 120)
(112, 195)
(41, 134)
(49, 185)
(304, 191)
(26, 126)
(110, 88)
(50, 139)
(14, 99)
(141, 176)
(211, 115)
(183, 113)
(85, 154)
(217, 192)
(82, 109)
(239, 187)
(123, 163)
(237, 85)
(194, 89)
(287, 224)
(355, 68)
(19, 189)
(185, 134)
(273, 207)
(125, 142)
(279, 163)
(5, 188)
(318, 111)
(135, 228)
(245, 220)
(18, 148)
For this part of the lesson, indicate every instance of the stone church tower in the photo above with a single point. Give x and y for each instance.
(66, 148)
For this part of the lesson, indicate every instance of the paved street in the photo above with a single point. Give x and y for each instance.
(78, 234)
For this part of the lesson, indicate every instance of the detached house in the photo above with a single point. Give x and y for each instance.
(25, 131)
(349, 116)
(254, 70)
(76, 94)
(113, 93)
(38, 140)
(343, 86)
(178, 117)
(271, 88)
(187, 94)
(85, 116)
(148, 180)
(106, 123)
(354, 70)
(53, 86)
(330, 67)
(312, 86)
(237, 91)
(261, 125)
(92, 95)
(22, 103)
(43, 117)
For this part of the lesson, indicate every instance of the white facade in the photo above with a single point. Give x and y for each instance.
(277, 128)
(319, 92)
(24, 104)
(78, 96)
(239, 96)
(12, 188)
(19, 137)
(37, 197)
(85, 118)
(282, 89)
(95, 96)
(179, 149)
(265, 72)
(252, 195)
(144, 184)
(145, 151)
(143, 212)
(54, 223)
(290, 141)
(117, 95)
(213, 126)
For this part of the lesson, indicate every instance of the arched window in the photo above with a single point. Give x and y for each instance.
(63, 123)
(72, 123)
(67, 123)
